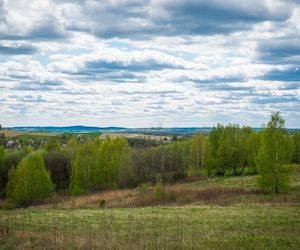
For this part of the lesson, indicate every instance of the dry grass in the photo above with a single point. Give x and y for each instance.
(203, 191)
(169, 195)
(140, 136)
(112, 198)
(11, 133)
(37, 133)
(181, 195)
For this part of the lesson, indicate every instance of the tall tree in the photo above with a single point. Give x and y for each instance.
(214, 165)
(296, 139)
(30, 181)
(84, 174)
(2, 179)
(114, 164)
(197, 153)
(253, 146)
(275, 154)
(52, 145)
(59, 165)
(11, 159)
(227, 153)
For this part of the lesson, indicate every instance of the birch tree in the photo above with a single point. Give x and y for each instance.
(275, 153)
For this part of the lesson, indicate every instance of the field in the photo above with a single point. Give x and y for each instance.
(42, 135)
(12, 133)
(229, 220)
(206, 227)
(24, 135)
(136, 136)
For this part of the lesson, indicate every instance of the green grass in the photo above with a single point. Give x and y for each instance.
(255, 221)
(206, 227)
(34, 137)
(246, 182)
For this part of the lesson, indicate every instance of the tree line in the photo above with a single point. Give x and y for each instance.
(28, 175)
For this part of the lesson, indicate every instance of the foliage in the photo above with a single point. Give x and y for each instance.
(275, 153)
(296, 140)
(30, 181)
(159, 191)
(169, 161)
(84, 174)
(197, 154)
(52, 145)
(11, 158)
(114, 163)
(213, 145)
(2, 180)
(59, 165)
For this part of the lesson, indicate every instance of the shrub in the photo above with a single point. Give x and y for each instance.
(159, 191)
(143, 188)
(102, 203)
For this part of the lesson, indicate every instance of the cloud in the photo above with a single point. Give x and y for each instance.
(276, 100)
(17, 50)
(291, 74)
(117, 65)
(279, 51)
(138, 18)
(149, 62)
(216, 16)
(37, 21)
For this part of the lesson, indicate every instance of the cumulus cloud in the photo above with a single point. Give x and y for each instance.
(17, 50)
(149, 62)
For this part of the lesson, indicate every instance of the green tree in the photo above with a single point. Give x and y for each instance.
(227, 153)
(275, 154)
(11, 159)
(84, 174)
(197, 153)
(2, 179)
(30, 181)
(296, 139)
(114, 164)
(253, 146)
(52, 145)
(213, 164)
(58, 163)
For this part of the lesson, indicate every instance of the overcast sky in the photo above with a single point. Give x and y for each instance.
(144, 63)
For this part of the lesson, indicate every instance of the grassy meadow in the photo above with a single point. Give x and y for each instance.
(213, 213)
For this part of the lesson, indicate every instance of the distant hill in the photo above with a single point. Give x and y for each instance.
(87, 129)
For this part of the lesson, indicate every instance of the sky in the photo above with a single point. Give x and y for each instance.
(149, 63)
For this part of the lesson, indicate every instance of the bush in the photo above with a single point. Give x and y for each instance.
(250, 171)
(159, 191)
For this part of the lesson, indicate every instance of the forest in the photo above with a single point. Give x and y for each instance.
(28, 175)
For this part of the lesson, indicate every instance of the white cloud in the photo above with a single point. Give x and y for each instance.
(145, 63)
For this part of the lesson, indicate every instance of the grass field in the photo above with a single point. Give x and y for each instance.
(12, 133)
(25, 135)
(42, 135)
(206, 227)
(238, 221)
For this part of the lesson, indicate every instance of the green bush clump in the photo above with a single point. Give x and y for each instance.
(159, 191)
(29, 182)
